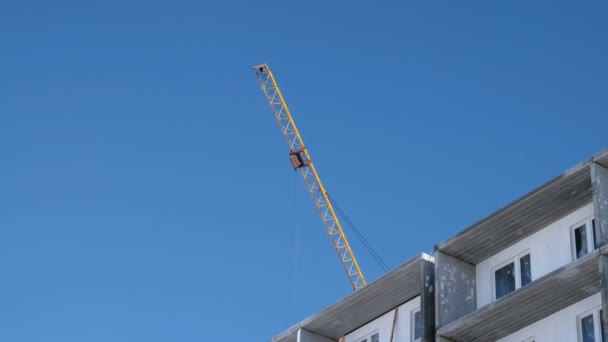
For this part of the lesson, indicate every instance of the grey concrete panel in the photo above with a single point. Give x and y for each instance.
(523, 217)
(427, 301)
(455, 288)
(601, 158)
(537, 300)
(307, 336)
(444, 339)
(599, 181)
(603, 268)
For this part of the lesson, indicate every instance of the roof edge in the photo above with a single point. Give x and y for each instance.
(600, 157)
(291, 331)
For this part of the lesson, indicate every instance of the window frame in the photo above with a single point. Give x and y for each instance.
(519, 258)
(597, 321)
(516, 269)
(368, 337)
(590, 233)
(413, 313)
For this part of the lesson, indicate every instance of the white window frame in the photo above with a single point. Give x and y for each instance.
(516, 269)
(597, 330)
(530, 339)
(590, 236)
(368, 337)
(413, 324)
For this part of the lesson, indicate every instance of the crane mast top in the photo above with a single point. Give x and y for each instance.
(300, 159)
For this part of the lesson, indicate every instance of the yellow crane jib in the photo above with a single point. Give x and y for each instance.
(300, 159)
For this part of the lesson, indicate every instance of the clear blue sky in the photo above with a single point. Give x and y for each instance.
(145, 189)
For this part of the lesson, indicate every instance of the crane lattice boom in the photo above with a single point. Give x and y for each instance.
(300, 159)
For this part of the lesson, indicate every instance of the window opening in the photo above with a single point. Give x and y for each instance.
(587, 329)
(372, 337)
(595, 246)
(590, 327)
(511, 275)
(584, 238)
(416, 327)
(505, 280)
(580, 240)
(601, 319)
(525, 268)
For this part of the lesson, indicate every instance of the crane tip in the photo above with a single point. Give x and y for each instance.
(260, 68)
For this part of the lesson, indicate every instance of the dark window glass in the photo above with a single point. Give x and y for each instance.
(580, 241)
(526, 270)
(376, 338)
(602, 326)
(594, 234)
(417, 325)
(505, 280)
(587, 329)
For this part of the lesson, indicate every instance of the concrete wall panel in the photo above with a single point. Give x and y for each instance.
(599, 182)
(455, 288)
(603, 264)
(427, 301)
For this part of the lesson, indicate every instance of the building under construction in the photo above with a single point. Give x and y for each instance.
(535, 270)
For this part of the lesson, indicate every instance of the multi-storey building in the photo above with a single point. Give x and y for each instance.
(533, 271)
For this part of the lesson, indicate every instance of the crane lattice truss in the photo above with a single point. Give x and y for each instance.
(300, 159)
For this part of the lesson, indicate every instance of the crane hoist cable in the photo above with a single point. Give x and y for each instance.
(360, 236)
(300, 160)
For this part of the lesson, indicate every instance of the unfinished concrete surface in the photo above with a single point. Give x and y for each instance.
(599, 180)
(411, 279)
(551, 293)
(603, 269)
(456, 290)
(427, 301)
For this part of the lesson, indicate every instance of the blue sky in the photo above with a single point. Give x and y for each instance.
(145, 188)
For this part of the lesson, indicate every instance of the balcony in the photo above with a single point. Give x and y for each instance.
(548, 294)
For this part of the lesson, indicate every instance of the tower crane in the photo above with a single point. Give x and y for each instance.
(300, 160)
